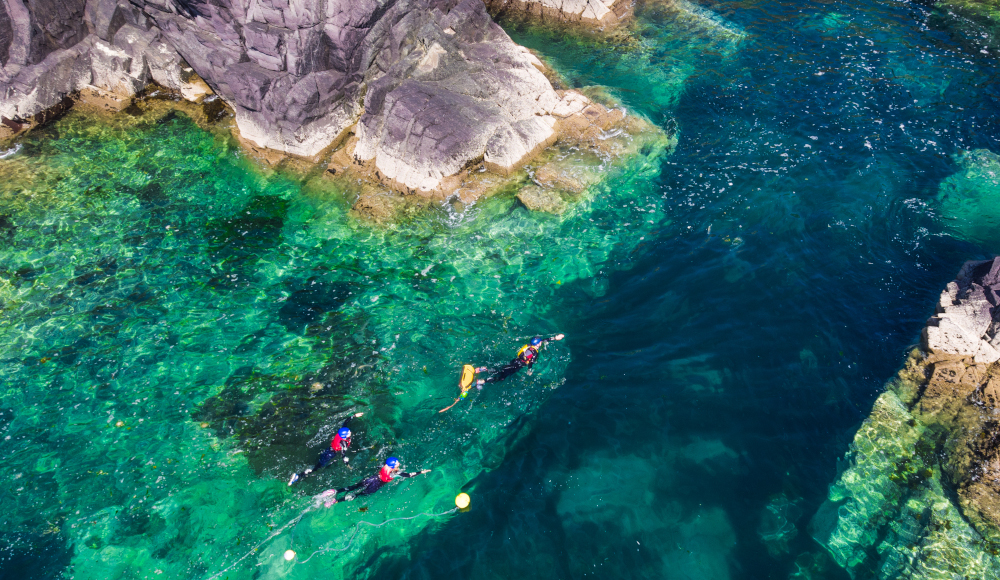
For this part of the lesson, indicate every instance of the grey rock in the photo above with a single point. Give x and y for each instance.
(6, 35)
(967, 320)
(428, 86)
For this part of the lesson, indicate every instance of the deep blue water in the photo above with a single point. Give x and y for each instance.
(713, 380)
(822, 147)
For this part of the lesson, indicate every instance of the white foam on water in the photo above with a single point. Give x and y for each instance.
(10, 152)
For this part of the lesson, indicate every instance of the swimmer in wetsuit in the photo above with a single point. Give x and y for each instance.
(526, 357)
(369, 485)
(341, 441)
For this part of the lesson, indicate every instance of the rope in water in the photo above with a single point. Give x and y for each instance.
(253, 550)
(296, 519)
(357, 528)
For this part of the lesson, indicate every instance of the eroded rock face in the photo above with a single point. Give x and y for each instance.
(98, 51)
(428, 87)
(591, 12)
(961, 393)
(964, 322)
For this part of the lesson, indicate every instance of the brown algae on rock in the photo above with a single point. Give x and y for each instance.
(931, 438)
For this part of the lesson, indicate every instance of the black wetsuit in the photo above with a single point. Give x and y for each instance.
(327, 456)
(373, 483)
(524, 359)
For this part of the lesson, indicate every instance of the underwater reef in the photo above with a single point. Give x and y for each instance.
(918, 496)
(975, 23)
(969, 200)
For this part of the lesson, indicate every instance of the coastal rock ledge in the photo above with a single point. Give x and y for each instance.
(919, 496)
(424, 88)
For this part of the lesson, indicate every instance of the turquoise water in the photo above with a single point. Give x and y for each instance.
(182, 330)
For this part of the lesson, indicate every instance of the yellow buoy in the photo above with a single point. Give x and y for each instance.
(462, 500)
(289, 555)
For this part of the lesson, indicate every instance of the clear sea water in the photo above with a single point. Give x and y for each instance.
(180, 329)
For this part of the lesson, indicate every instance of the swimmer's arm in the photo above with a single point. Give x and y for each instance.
(414, 473)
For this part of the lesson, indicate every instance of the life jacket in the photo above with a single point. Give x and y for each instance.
(528, 353)
(339, 444)
(468, 377)
(385, 474)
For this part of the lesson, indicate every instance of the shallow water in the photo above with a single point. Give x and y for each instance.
(182, 330)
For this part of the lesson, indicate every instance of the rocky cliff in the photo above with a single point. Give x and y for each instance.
(428, 87)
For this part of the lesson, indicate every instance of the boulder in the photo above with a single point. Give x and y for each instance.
(541, 199)
(965, 322)
(430, 89)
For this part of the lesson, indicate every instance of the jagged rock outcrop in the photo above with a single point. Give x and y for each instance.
(932, 437)
(961, 394)
(98, 51)
(964, 321)
(428, 87)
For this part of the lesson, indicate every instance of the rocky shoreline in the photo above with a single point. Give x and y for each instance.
(599, 13)
(920, 495)
(425, 98)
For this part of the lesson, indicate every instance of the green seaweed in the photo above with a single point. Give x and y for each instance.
(889, 514)
(179, 332)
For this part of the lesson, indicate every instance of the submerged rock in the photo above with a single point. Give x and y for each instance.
(919, 496)
(537, 199)
(970, 199)
(975, 22)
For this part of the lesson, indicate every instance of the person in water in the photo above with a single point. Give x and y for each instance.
(526, 357)
(341, 441)
(369, 485)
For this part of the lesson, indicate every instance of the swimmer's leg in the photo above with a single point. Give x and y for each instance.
(507, 370)
(324, 459)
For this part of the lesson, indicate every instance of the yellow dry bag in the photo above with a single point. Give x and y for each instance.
(468, 375)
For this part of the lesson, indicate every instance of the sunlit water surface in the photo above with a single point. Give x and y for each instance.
(182, 330)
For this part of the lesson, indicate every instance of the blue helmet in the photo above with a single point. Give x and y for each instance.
(344, 432)
(536, 341)
(392, 462)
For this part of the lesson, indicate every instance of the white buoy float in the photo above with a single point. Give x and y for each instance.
(289, 555)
